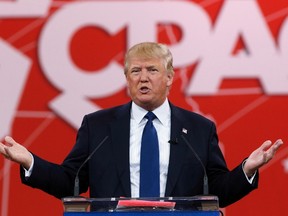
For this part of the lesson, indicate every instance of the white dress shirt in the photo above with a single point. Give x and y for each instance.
(163, 126)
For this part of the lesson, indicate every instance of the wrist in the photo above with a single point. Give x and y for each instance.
(28, 162)
(249, 172)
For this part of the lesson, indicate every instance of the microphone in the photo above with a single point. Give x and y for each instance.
(173, 141)
(205, 180)
(76, 183)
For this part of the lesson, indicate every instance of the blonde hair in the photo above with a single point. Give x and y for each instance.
(150, 50)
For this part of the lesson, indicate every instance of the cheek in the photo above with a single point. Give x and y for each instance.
(131, 83)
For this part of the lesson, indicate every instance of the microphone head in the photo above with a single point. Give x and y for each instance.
(173, 141)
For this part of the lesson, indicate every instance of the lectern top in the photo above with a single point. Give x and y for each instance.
(194, 203)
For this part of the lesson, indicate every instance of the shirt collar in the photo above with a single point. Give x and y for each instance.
(162, 112)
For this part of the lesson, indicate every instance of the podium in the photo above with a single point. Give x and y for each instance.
(167, 206)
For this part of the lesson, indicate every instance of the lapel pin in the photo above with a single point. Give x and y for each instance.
(184, 130)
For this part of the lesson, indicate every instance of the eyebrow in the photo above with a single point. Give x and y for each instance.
(148, 67)
(134, 67)
(151, 66)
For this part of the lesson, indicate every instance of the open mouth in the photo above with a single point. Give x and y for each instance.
(144, 90)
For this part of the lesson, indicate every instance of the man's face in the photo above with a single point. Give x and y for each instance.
(148, 82)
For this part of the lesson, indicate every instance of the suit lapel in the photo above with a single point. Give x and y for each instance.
(120, 133)
(177, 150)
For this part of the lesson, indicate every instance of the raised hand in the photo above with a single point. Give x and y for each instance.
(261, 156)
(15, 152)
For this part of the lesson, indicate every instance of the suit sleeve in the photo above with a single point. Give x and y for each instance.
(58, 180)
(229, 186)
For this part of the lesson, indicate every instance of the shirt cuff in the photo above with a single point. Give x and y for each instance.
(29, 171)
(249, 179)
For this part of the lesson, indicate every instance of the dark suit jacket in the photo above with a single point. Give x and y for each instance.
(107, 173)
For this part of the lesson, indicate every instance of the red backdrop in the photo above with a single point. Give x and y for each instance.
(62, 59)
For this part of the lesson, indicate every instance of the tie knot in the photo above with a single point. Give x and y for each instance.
(150, 116)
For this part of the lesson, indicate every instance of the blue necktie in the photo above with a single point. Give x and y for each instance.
(149, 160)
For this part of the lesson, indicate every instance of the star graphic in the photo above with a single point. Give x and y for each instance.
(285, 165)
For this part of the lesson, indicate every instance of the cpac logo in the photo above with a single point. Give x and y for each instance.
(209, 45)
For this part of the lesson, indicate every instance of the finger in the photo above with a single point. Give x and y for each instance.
(9, 140)
(278, 143)
(2, 151)
(8, 153)
(265, 145)
(266, 157)
(269, 154)
(2, 147)
(5, 148)
(275, 146)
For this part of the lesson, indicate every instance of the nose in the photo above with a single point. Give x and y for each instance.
(144, 76)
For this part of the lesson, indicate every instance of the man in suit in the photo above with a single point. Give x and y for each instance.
(114, 170)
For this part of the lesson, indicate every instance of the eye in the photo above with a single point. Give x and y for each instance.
(135, 70)
(153, 70)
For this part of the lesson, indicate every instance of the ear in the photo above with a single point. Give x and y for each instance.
(127, 80)
(169, 79)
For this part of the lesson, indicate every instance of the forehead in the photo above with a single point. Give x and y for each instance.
(145, 62)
